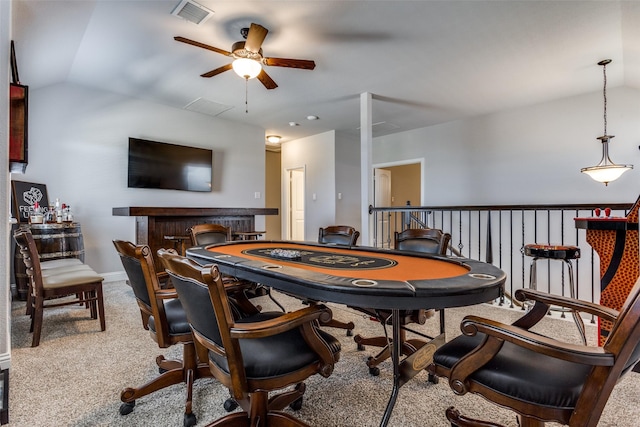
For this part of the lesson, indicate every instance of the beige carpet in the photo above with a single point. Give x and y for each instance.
(75, 376)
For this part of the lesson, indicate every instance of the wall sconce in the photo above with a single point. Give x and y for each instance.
(605, 171)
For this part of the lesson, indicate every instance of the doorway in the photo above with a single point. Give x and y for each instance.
(295, 204)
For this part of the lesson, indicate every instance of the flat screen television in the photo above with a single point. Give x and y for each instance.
(168, 166)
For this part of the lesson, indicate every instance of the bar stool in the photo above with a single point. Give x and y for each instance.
(562, 253)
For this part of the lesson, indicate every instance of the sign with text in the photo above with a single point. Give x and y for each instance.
(24, 196)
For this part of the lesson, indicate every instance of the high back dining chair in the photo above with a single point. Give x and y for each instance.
(256, 355)
(343, 235)
(209, 234)
(425, 241)
(540, 378)
(67, 284)
(338, 235)
(165, 319)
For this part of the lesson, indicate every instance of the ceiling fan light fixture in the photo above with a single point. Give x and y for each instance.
(274, 139)
(606, 171)
(246, 68)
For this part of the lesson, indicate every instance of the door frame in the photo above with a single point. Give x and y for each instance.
(287, 198)
(403, 163)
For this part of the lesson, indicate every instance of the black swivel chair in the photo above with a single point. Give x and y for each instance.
(165, 319)
(423, 241)
(540, 378)
(343, 235)
(256, 355)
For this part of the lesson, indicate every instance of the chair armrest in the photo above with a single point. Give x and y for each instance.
(166, 293)
(496, 335)
(603, 312)
(280, 324)
(541, 344)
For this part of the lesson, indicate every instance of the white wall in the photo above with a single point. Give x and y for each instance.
(5, 301)
(317, 155)
(347, 180)
(526, 155)
(78, 140)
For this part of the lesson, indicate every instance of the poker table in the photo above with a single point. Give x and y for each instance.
(362, 277)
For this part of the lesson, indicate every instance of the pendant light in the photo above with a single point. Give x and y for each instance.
(605, 171)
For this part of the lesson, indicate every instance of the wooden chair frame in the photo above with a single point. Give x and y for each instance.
(253, 393)
(193, 364)
(615, 358)
(78, 281)
(422, 240)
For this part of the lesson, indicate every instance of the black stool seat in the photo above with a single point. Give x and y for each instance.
(552, 251)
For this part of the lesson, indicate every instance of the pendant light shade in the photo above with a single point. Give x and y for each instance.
(606, 171)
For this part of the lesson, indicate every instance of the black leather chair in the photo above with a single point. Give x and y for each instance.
(165, 319)
(343, 235)
(423, 241)
(259, 354)
(209, 234)
(538, 377)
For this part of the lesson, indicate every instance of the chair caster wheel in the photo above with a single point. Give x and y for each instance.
(433, 379)
(230, 404)
(161, 370)
(349, 332)
(127, 407)
(360, 347)
(189, 420)
(296, 405)
(375, 371)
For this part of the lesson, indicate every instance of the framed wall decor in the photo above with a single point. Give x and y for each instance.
(24, 195)
(18, 115)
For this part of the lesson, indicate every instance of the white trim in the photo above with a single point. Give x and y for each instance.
(420, 160)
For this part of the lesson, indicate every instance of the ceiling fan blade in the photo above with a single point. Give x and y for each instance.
(291, 63)
(256, 36)
(266, 80)
(202, 45)
(217, 71)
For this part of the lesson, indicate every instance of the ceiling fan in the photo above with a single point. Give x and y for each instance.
(248, 59)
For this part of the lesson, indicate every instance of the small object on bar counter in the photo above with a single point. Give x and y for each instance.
(285, 254)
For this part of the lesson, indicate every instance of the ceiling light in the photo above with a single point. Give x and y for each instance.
(247, 68)
(312, 117)
(274, 139)
(605, 171)
(292, 124)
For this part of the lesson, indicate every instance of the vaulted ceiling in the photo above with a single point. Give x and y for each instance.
(425, 62)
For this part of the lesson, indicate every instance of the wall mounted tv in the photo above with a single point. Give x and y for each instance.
(169, 166)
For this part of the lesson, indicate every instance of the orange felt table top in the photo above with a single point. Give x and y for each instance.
(398, 267)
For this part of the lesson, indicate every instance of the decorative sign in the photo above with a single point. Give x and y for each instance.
(24, 195)
(325, 259)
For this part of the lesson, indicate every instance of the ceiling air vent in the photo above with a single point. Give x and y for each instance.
(192, 12)
(204, 106)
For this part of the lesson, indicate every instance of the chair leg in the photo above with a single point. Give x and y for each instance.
(36, 320)
(457, 420)
(100, 301)
(187, 372)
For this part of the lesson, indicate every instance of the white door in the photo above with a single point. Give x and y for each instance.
(296, 205)
(382, 198)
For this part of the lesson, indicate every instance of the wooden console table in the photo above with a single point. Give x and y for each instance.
(154, 223)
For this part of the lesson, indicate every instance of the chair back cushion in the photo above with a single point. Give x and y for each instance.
(428, 240)
(133, 268)
(196, 302)
(338, 235)
(209, 234)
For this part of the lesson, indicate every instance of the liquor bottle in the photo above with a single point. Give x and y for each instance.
(50, 215)
(59, 213)
(36, 214)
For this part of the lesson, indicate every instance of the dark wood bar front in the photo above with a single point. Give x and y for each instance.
(154, 223)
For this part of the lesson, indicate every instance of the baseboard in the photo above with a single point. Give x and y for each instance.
(117, 276)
